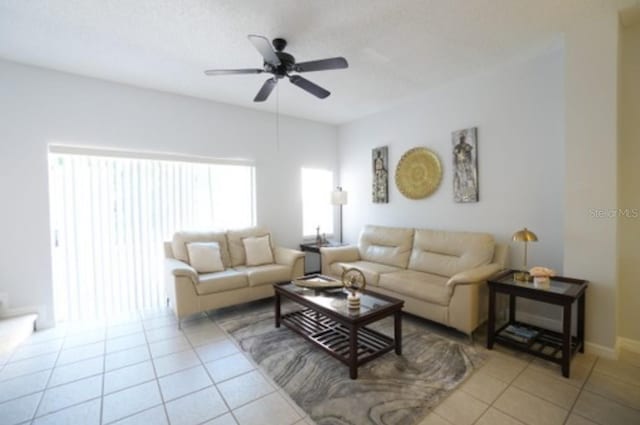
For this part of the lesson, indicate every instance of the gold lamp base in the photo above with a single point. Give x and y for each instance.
(525, 235)
(523, 276)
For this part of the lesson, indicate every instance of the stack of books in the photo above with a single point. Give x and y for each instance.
(519, 333)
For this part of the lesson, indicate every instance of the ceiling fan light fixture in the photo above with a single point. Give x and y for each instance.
(280, 64)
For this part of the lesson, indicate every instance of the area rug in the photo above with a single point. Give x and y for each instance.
(390, 390)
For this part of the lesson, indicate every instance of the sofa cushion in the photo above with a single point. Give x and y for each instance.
(447, 253)
(258, 250)
(236, 247)
(423, 286)
(370, 270)
(205, 256)
(266, 274)
(386, 245)
(181, 239)
(227, 280)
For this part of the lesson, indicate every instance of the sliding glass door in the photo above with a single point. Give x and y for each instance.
(111, 214)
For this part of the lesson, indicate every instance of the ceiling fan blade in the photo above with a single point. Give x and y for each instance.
(265, 90)
(233, 71)
(308, 86)
(322, 65)
(264, 47)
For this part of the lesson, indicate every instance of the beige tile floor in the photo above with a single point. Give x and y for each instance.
(141, 369)
(517, 389)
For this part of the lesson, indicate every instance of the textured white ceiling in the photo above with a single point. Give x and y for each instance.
(395, 48)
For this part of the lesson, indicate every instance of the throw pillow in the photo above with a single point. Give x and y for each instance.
(258, 250)
(205, 257)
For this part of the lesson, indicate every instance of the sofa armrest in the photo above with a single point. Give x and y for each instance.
(287, 256)
(330, 255)
(340, 253)
(179, 268)
(479, 274)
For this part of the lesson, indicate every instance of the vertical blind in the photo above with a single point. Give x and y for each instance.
(111, 215)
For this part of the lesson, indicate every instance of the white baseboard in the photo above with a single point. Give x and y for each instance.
(589, 347)
(627, 344)
(600, 350)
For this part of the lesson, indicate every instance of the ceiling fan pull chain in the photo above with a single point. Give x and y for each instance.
(277, 118)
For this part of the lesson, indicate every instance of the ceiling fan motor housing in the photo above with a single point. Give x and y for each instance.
(279, 44)
(287, 61)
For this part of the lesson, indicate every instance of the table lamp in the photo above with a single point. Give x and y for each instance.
(339, 197)
(525, 235)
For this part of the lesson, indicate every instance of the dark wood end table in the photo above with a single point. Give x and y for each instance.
(314, 247)
(326, 321)
(557, 347)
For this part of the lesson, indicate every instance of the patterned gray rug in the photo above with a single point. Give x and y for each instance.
(391, 390)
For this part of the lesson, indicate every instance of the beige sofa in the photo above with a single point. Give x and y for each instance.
(189, 292)
(440, 275)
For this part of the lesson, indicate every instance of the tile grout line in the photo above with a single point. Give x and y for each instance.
(104, 374)
(224, 331)
(573, 405)
(202, 363)
(583, 389)
(67, 407)
(614, 377)
(79, 379)
(509, 385)
(13, 353)
(569, 410)
(259, 369)
(73, 380)
(155, 372)
(46, 386)
(26, 394)
(146, 382)
(549, 401)
(31, 357)
(56, 365)
(28, 373)
(134, 414)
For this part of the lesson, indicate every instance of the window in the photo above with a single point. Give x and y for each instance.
(110, 216)
(316, 205)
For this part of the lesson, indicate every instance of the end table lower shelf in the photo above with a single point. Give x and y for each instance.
(547, 344)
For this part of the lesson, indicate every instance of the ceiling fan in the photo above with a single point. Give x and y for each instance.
(281, 64)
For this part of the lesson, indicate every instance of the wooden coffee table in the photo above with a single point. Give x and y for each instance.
(325, 320)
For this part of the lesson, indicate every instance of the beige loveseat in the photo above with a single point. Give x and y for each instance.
(190, 292)
(440, 275)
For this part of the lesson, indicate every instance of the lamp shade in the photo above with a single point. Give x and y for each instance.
(525, 235)
(339, 197)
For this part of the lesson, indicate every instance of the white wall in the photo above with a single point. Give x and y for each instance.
(39, 107)
(629, 178)
(591, 168)
(519, 111)
(547, 159)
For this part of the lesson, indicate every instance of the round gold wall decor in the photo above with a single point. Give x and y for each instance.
(418, 173)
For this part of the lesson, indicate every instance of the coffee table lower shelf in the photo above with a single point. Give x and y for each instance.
(335, 338)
